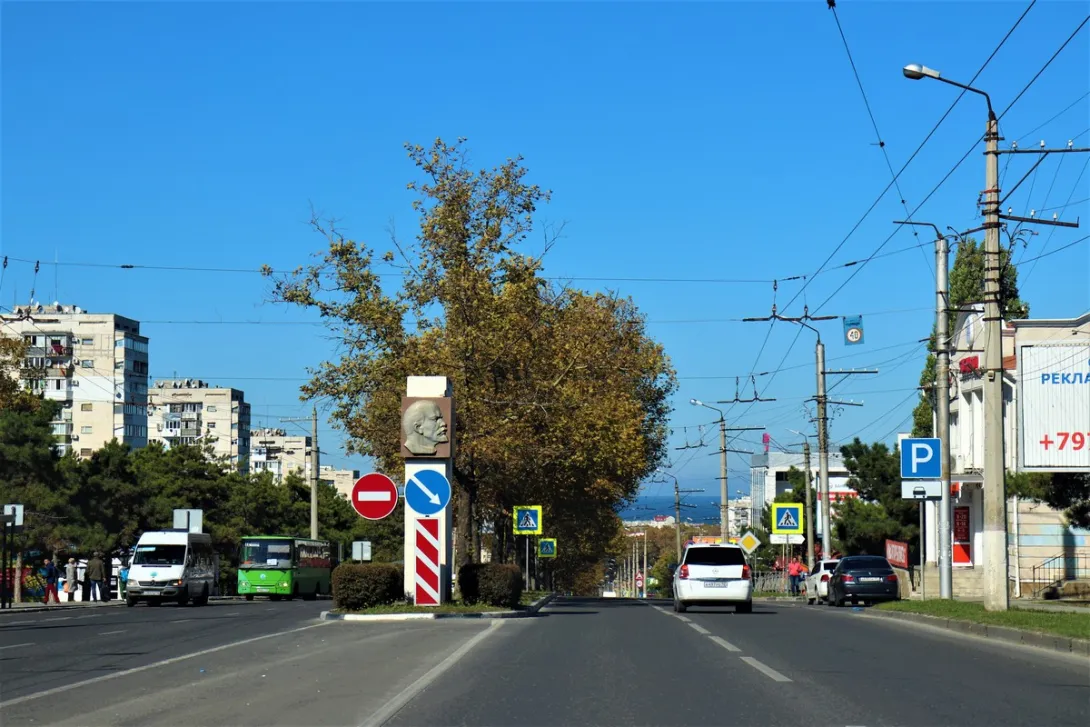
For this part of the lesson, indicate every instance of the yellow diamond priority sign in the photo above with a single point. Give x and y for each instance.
(749, 542)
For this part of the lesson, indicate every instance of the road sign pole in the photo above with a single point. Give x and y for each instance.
(942, 410)
(428, 472)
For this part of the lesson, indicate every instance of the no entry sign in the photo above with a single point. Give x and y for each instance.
(374, 496)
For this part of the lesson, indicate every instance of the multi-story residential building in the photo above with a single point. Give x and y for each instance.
(275, 451)
(768, 478)
(190, 411)
(343, 480)
(94, 364)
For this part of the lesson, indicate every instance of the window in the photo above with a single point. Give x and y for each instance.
(211, 425)
(714, 556)
(211, 408)
(86, 407)
(85, 430)
(87, 342)
(87, 364)
(159, 555)
(85, 452)
(864, 562)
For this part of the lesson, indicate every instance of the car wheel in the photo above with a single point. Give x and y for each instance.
(681, 607)
(810, 601)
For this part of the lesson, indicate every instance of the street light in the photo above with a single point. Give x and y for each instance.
(809, 502)
(724, 502)
(996, 595)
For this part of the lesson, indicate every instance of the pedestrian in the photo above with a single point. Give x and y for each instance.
(52, 573)
(794, 572)
(96, 572)
(71, 574)
(123, 578)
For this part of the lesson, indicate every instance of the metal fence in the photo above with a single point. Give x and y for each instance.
(771, 582)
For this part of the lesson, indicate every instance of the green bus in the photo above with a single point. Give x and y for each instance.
(282, 566)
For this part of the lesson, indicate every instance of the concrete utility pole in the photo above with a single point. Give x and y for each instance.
(996, 559)
(823, 402)
(724, 495)
(678, 504)
(809, 502)
(314, 466)
(942, 407)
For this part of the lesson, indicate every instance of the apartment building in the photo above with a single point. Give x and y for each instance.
(343, 480)
(275, 451)
(94, 364)
(191, 411)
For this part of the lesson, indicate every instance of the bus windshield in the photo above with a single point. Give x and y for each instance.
(265, 554)
(159, 555)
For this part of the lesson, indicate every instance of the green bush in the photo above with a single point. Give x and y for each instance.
(357, 586)
(496, 584)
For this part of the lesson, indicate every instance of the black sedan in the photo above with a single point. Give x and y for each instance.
(866, 578)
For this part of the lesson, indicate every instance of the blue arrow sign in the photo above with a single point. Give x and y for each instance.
(427, 492)
(920, 459)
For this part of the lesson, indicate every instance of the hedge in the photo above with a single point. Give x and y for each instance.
(496, 584)
(363, 585)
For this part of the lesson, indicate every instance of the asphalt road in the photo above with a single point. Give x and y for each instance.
(579, 662)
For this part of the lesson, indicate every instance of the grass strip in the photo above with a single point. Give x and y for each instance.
(1070, 625)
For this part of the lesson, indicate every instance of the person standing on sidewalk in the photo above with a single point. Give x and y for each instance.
(96, 572)
(71, 573)
(794, 572)
(52, 573)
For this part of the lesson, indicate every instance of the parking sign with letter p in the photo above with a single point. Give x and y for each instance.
(921, 459)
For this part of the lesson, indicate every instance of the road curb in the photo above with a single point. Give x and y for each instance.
(531, 610)
(1021, 637)
(74, 606)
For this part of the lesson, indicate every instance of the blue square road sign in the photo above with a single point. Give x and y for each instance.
(921, 459)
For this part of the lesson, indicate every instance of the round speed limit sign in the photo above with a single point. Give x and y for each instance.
(855, 335)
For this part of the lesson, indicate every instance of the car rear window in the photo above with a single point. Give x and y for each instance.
(866, 563)
(714, 556)
(830, 565)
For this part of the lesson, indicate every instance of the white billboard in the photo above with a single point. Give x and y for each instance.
(1054, 407)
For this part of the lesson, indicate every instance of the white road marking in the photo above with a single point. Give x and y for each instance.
(111, 633)
(59, 618)
(18, 623)
(182, 621)
(764, 669)
(16, 646)
(699, 629)
(684, 618)
(146, 667)
(391, 708)
(725, 644)
(232, 613)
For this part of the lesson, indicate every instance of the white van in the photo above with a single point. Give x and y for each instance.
(172, 565)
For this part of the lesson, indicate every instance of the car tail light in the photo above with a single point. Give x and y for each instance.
(745, 572)
(684, 573)
(824, 577)
(848, 578)
(891, 578)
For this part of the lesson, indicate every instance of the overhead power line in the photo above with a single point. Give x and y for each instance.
(912, 157)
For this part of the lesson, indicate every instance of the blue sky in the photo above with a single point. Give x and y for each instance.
(682, 141)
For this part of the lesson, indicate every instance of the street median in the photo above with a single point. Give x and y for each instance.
(398, 612)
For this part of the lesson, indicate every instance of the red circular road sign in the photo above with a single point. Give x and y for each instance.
(374, 496)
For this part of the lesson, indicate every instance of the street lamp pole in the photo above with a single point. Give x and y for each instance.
(996, 593)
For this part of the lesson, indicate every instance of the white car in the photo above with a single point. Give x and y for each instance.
(817, 582)
(713, 575)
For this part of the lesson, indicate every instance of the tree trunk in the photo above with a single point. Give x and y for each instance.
(475, 531)
(462, 522)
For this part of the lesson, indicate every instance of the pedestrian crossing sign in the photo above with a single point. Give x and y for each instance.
(546, 548)
(527, 520)
(787, 518)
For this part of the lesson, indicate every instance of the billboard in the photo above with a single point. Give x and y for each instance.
(1054, 407)
(897, 553)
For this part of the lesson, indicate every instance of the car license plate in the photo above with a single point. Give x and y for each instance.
(870, 580)
(714, 584)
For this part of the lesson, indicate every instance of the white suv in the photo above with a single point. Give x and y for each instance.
(713, 575)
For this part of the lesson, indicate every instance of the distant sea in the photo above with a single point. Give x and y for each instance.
(706, 508)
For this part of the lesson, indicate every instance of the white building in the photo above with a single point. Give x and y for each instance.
(342, 480)
(1036, 533)
(189, 411)
(768, 478)
(94, 364)
(275, 451)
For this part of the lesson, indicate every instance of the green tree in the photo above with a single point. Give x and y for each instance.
(863, 525)
(533, 367)
(966, 287)
(13, 373)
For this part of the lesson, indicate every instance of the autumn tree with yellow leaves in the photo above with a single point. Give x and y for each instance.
(561, 396)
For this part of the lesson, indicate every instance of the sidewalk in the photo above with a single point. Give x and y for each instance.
(38, 606)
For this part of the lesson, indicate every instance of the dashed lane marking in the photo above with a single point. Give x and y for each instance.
(765, 669)
(725, 644)
(111, 633)
(15, 646)
(699, 629)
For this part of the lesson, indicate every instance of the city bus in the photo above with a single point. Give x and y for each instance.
(282, 566)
